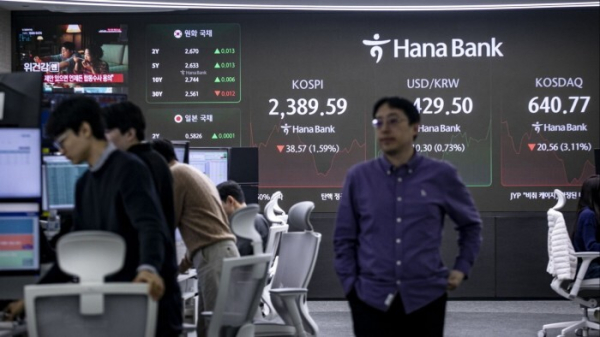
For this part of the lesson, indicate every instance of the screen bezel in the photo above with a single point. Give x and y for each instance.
(186, 151)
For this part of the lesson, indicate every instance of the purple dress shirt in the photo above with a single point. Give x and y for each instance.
(389, 228)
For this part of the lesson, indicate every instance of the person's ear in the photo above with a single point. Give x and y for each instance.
(130, 134)
(85, 130)
(230, 200)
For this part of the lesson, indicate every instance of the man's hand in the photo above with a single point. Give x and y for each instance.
(156, 286)
(14, 310)
(455, 279)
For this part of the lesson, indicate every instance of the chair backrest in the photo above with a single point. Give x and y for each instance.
(242, 225)
(298, 253)
(241, 285)
(562, 262)
(92, 307)
(275, 238)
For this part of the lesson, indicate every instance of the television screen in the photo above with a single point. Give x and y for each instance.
(20, 163)
(19, 237)
(80, 58)
(211, 161)
(60, 177)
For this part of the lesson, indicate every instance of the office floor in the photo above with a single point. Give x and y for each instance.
(466, 318)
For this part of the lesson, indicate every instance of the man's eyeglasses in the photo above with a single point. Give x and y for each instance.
(391, 122)
(58, 142)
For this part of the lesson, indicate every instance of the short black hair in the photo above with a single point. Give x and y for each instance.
(165, 148)
(124, 116)
(68, 45)
(71, 113)
(400, 103)
(231, 188)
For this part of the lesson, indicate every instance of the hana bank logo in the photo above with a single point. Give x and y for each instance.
(375, 44)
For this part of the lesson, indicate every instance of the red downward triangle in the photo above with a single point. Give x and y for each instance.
(280, 148)
(217, 92)
(531, 146)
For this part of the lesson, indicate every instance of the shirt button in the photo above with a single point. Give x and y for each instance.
(389, 172)
(399, 198)
(400, 179)
(398, 262)
(398, 282)
(398, 241)
(409, 171)
(398, 220)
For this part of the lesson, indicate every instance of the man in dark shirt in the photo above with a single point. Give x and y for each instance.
(389, 230)
(233, 198)
(117, 194)
(125, 126)
(66, 58)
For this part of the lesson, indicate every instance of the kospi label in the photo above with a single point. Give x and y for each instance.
(310, 84)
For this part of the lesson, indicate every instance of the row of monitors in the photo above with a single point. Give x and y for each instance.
(60, 175)
(21, 161)
(19, 221)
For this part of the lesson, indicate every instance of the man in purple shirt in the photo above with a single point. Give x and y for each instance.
(389, 228)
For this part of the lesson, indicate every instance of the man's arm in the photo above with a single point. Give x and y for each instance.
(144, 211)
(461, 209)
(345, 239)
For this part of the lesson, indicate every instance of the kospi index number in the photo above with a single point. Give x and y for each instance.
(193, 63)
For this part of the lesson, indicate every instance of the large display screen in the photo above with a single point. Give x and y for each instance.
(76, 57)
(508, 97)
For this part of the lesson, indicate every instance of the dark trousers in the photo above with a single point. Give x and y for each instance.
(370, 322)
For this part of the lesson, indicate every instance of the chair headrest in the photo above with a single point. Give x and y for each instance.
(91, 255)
(273, 212)
(242, 225)
(560, 196)
(299, 216)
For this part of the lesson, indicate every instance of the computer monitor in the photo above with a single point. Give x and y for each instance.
(212, 161)
(20, 99)
(19, 238)
(60, 176)
(243, 165)
(182, 150)
(20, 163)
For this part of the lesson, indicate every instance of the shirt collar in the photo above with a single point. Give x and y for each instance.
(410, 166)
(103, 157)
